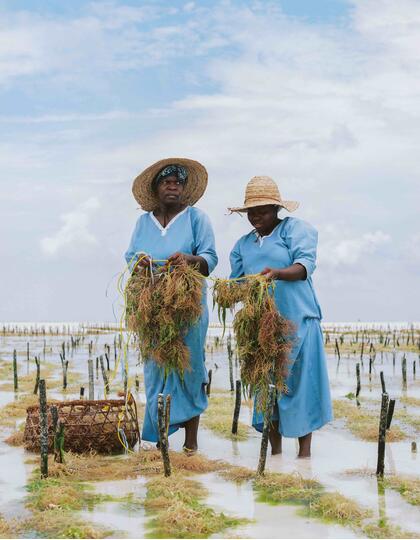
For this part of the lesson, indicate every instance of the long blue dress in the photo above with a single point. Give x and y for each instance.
(306, 406)
(189, 232)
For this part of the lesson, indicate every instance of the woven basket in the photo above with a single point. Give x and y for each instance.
(89, 425)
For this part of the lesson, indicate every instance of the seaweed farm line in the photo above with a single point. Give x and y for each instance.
(334, 494)
(63, 328)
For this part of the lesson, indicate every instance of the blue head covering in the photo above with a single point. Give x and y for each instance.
(171, 170)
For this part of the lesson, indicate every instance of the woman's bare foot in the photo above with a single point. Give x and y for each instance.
(275, 438)
(305, 446)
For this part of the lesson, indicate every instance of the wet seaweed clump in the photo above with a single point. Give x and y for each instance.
(280, 487)
(5, 529)
(363, 422)
(53, 503)
(409, 488)
(178, 511)
(338, 509)
(226, 294)
(264, 338)
(161, 306)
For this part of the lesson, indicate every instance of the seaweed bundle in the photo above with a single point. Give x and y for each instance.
(226, 294)
(160, 308)
(264, 337)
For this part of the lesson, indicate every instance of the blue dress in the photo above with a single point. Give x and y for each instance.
(307, 404)
(189, 232)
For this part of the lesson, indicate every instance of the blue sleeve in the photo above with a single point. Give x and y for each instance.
(302, 240)
(205, 245)
(236, 261)
(130, 254)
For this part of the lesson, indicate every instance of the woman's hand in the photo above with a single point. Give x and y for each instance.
(271, 273)
(194, 260)
(142, 262)
(179, 258)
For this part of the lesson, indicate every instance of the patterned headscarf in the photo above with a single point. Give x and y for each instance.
(171, 170)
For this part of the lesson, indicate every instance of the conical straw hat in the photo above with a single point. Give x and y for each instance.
(262, 190)
(193, 190)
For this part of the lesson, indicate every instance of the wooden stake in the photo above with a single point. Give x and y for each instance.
(382, 436)
(59, 442)
(58, 431)
(208, 388)
(38, 374)
(267, 421)
(230, 354)
(390, 414)
(381, 374)
(91, 381)
(167, 414)
(43, 421)
(337, 349)
(54, 417)
(163, 439)
(15, 371)
(404, 370)
(65, 368)
(358, 387)
(106, 383)
(237, 408)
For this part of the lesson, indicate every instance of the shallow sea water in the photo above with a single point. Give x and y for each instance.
(335, 450)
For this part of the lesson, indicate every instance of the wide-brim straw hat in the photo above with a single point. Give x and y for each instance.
(193, 189)
(262, 190)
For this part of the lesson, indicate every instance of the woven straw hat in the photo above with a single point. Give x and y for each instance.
(193, 190)
(262, 190)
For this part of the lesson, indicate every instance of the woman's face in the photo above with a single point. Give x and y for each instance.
(169, 190)
(263, 218)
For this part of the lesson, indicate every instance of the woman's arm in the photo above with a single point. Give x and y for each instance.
(132, 256)
(204, 245)
(294, 272)
(301, 240)
(236, 262)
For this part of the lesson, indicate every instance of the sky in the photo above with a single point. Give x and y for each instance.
(322, 96)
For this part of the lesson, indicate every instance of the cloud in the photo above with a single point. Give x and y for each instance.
(330, 111)
(336, 251)
(411, 251)
(104, 38)
(74, 231)
(68, 118)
